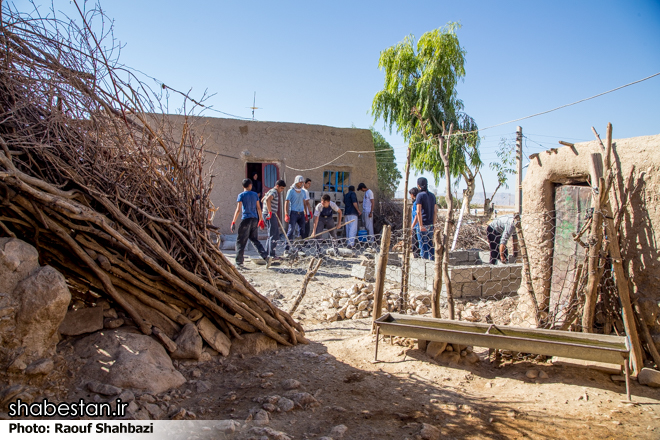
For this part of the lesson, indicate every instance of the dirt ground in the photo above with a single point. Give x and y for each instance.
(406, 395)
(394, 398)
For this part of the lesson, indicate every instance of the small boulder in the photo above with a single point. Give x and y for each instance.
(290, 384)
(188, 343)
(649, 377)
(285, 405)
(430, 432)
(128, 360)
(40, 367)
(202, 387)
(112, 323)
(103, 388)
(532, 374)
(338, 432)
(253, 344)
(434, 348)
(79, 322)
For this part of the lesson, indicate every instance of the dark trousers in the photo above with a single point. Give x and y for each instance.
(325, 223)
(494, 239)
(295, 219)
(273, 235)
(248, 230)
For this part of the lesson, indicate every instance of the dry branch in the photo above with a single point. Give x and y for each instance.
(93, 174)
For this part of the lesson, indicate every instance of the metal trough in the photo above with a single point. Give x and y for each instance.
(585, 346)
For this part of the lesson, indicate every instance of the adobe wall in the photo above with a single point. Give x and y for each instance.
(641, 225)
(231, 144)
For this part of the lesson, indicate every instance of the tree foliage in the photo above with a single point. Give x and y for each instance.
(424, 76)
(388, 173)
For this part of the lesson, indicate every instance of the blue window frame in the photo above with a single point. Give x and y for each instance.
(336, 181)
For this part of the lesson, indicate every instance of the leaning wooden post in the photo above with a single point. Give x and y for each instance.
(444, 155)
(594, 242)
(381, 272)
(527, 269)
(437, 274)
(311, 271)
(405, 267)
(623, 289)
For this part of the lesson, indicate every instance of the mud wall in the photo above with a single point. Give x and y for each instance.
(232, 143)
(641, 225)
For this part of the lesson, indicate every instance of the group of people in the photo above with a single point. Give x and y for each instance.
(424, 214)
(261, 212)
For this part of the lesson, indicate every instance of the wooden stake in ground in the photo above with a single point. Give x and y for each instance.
(314, 265)
(381, 270)
(526, 268)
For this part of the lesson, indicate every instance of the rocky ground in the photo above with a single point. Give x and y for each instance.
(331, 388)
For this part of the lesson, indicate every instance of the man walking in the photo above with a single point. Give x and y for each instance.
(247, 205)
(367, 210)
(499, 231)
(351, 211)
(294, 209)
(271, 202)
(426, 209)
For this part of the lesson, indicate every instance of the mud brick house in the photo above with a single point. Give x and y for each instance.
(236, 149)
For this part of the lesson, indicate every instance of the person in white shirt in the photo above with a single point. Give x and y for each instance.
(367, 210)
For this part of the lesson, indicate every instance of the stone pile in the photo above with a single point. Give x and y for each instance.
(451, 353)
(357, 302)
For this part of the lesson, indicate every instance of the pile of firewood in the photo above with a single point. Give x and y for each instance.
(92, 175)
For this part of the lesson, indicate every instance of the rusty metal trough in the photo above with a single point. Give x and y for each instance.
(584, 346)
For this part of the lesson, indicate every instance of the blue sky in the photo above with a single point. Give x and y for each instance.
(316, 62)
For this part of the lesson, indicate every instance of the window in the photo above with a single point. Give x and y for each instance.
(336, 181)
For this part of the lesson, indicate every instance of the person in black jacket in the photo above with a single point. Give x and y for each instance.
(351, 212)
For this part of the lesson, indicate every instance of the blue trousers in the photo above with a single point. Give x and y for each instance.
(426, 245)
(295, 219)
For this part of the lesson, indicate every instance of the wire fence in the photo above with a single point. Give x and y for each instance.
(486, 286)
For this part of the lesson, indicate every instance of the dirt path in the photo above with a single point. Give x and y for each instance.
(392, 399)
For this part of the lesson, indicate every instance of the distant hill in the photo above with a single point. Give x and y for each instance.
(501, 199)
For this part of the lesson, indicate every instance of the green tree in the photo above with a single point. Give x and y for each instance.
(421, 78)
(505, 167)
(388, 173)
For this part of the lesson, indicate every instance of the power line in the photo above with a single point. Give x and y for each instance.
(496, 125)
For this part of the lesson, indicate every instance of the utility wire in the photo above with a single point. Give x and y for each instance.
(496, 125)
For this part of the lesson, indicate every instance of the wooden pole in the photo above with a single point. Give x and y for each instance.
(437, 275)
(444, 155)
(623, 289)
(405, 267)
(527, 269)
(311, 271)
(594, 242)
(519, 162)
(648, 339)
(381, 271)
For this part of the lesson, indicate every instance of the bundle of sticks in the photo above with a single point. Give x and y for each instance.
(92, 175)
